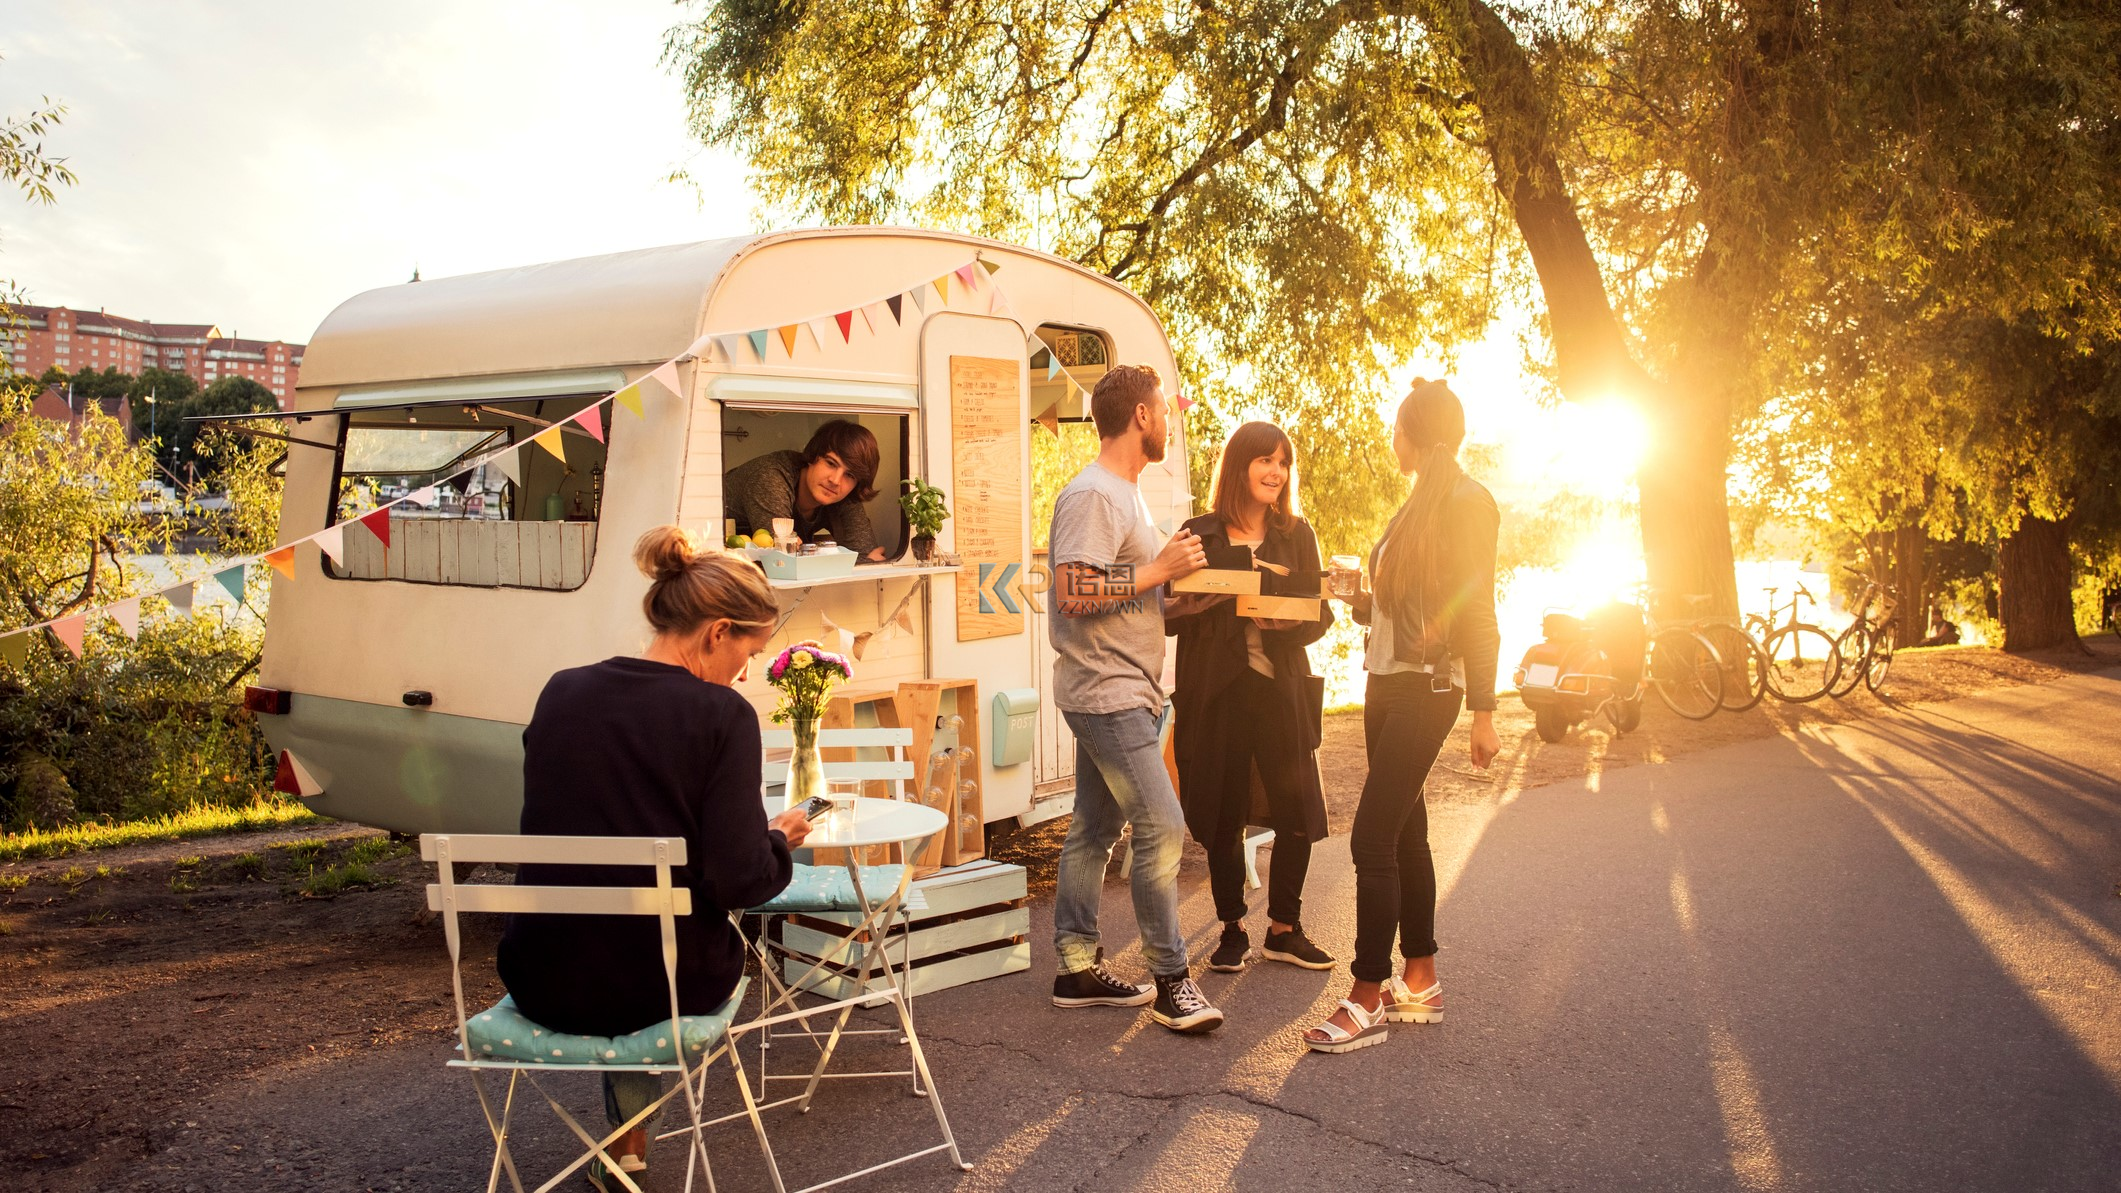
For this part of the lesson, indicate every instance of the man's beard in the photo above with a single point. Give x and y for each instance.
(1153, 446)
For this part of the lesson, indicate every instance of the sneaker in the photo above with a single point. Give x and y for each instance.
(1096, 987)
(632, 1150)
(1294, 948)
(1181, 1006)
(1230, 956)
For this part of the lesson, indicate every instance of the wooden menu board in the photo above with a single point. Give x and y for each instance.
(987, 486)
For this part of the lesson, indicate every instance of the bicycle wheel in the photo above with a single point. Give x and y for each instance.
(1687, 673)
(1881, 659)
(1802, 663)
(1852, 645)
(1744, 667)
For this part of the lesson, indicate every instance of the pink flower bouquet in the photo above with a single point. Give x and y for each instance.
(806, 673)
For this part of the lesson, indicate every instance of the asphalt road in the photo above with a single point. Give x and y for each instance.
(1883, 956)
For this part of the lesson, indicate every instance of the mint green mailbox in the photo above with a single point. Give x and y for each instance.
(1015, 720)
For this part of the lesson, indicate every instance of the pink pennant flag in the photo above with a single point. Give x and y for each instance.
(332, 541)
(70, 630)
(869, 316)
(846, 321)
(592, 420)
(819, 330)
(378, 521)
(666, 375)
(127, 614)
(966, 274)
(179, 599)
(1184, 403)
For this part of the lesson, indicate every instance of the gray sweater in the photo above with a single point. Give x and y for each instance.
(758, 491)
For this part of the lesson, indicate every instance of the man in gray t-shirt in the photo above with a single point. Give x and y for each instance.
(1108, 627)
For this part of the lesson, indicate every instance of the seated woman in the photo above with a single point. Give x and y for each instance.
(655, 746)
(822, 486)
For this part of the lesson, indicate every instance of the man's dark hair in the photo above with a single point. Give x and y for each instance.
(855, 447)
(1118, 392)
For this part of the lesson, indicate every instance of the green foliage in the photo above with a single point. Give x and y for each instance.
(198, 822)
(923, 504)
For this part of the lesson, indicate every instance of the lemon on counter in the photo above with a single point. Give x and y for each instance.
(763, 538)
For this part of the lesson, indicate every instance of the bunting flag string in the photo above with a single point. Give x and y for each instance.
(232, 577)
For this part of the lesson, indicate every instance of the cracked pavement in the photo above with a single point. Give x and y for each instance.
(1882, 955)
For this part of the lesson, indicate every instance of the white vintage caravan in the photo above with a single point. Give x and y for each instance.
(409, 671)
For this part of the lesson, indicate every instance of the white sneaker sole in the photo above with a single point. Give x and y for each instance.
(1237, 968)
(1198, 1024)
(1293, 959)
(1143, 999)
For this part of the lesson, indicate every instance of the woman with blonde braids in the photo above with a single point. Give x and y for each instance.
(1431, 648)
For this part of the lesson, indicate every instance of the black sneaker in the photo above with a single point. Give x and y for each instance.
(1295, 948)
(1181, 1007)
(1236, 948)
(1096, 987)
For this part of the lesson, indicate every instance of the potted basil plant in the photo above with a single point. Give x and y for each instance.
(925, 514)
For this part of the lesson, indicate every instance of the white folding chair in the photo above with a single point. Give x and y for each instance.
(824, 890)
(501, 1037)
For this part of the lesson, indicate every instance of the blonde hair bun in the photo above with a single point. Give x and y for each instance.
(666, 552)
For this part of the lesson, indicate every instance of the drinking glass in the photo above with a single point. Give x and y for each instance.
(1345, 575)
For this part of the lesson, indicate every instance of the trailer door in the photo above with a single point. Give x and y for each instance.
(976, 426)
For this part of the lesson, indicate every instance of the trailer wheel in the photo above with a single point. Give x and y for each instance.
(1551, 724)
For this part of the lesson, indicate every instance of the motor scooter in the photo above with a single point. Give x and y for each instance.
(1585, 667)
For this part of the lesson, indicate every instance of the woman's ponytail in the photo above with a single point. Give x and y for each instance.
(1408, 572)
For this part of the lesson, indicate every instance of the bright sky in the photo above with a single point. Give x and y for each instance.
(254, 164)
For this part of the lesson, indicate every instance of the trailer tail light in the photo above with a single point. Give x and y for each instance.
(294, 779)
(271, 701)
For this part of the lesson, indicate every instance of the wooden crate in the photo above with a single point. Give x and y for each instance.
(920, 706)
(973, 928)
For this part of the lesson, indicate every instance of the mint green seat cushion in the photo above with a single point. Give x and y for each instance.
(828, 888)
(502, 1032)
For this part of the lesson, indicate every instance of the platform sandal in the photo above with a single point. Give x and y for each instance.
(1402, 1005)
(1370, 1029)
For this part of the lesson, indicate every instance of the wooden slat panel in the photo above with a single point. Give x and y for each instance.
(939, 975)
(394, 559)
(423, 551)
(574, 553)
(364, 555)
(476, 543)
(448, 543)
(562, 900)
(508, 553)
(926, 942)
(550, 568)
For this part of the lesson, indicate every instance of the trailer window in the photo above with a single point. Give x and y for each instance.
(478, 527)
(750, 434)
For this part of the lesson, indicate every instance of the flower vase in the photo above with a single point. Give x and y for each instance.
(806, 771)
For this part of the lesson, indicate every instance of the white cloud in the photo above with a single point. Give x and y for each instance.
(256, 164)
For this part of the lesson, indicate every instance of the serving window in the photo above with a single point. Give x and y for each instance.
(751, 432)
(480, 528)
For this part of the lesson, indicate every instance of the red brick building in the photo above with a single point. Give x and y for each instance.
(76, 341)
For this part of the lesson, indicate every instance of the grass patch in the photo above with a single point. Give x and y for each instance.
(190, 863)
(337, 880)
(373, 850)
(10, 883)
(196, 822)
(306, 851)
(183, 883)
(244, 867)
(72, 877)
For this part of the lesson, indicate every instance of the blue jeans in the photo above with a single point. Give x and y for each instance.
(1120, 780)
(627, 1093)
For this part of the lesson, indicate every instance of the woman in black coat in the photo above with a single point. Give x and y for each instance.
(1246, 702)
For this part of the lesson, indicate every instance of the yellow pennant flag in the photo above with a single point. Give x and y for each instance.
(630, 398)
(283, 561)
(942, 287)
(788, 337)
(549, 439)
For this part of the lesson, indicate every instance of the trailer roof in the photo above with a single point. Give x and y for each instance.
(626, 308)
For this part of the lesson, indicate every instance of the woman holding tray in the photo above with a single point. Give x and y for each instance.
(1246, 703)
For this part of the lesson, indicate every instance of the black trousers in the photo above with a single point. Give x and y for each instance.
(1404, 725)
(1264, 737)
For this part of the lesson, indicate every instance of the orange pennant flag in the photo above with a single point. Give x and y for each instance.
(788, 337)
(70, 630)
(283, 561)
(549, 439)
(1051, 421)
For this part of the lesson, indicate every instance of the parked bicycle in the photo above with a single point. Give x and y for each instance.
(1866, 647)
(1684, 666)
(1802, 663)
(1745, 664)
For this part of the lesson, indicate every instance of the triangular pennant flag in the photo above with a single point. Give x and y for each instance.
(378, 523)
(69, 630)
(758, 344)
(127, 614)
(966, 275)
(231, 581)
(788, 337)
(293, 778)
(896, 302)
(846, 321)
(702, 348)
(995, 302)
(728, 345)
(15, 650)
(861, 643)
(904, 620)
(920, 298)
(1051, 421)
(820, 330)
(549, 439)
(630, 398)
(179, 599)
(283, 561)
(332, 541)
(510, 464)
(1053, 367)
(869, 317)
(666, 375)
(591, 420)
(992, 267)
(942, 287)
(1184, 403)
(422, 496)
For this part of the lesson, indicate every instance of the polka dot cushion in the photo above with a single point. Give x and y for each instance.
(501, 1032)
(828, 888)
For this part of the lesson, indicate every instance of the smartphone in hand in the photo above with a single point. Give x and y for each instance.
(814, 807)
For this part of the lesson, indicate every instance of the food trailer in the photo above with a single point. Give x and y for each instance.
(397, 678)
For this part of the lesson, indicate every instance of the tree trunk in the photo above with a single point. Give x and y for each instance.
(1686, 517)
(1909, 577)
(2033, 578)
